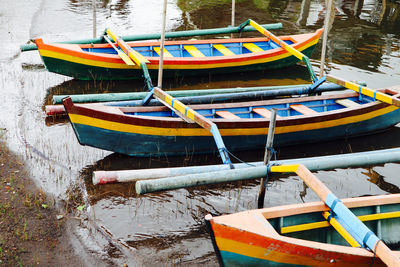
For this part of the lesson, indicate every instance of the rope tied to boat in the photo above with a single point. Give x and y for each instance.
(238, 159)
(332, 213)
(224, 151)
(272, 151)
(366, 237)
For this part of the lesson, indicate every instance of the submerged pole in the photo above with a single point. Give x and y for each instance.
(267, 156)
(175, 178)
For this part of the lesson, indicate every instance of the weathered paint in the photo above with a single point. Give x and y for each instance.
(148, 135)
(73, 61)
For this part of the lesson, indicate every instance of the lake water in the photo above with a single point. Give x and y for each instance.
(167, 228)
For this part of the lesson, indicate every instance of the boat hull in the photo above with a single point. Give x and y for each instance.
(252, 238)
(72, 61)
(144, 136)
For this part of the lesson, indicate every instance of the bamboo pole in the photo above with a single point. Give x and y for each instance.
(94, 18)
(151, 180)
(191, 96)
(161, 63)
(267, 156)
(325, 37)
(150, 36)
(264, 91)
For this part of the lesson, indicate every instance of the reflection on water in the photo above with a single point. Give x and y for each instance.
(167, 227)
(379, 180)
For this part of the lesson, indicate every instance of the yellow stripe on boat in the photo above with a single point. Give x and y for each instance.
(341, 230)
(89, 62)
(262, 253)
(225, 51)
(114, 126)
(166, 52)
(193, 51)
(252, 47)
(122, 65)
(322, 224)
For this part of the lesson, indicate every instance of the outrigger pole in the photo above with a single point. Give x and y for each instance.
(185, 112)
(150, 36)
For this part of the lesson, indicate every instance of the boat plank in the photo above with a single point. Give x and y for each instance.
(303, 109)
(193, 51)
(224, 50)
(227, 115)
(347, 103)
(166, 52)
(263, 112)
(253, 47)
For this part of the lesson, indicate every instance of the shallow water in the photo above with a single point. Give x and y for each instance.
(168, 227)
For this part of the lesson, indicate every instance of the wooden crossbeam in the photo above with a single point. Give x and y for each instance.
(322, 224)
(135, 56)
(252, 47)
(391, 100)
(227, 115)
(263, 112)
(303, 109)
(224, 50)
(193, 51)
(166, 52)
(347, 103)
(284, 45)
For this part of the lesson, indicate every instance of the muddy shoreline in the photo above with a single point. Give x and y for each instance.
(33, 231)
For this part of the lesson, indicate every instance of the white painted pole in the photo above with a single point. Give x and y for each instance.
(94, 18)
(160, 66)
(325, 37)
(233, 13)
(233, 16)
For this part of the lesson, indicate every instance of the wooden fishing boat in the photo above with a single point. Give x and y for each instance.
(156, 130)
(182, 58)
(299, 235)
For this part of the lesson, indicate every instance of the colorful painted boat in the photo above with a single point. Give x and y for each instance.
(182, 58)
(156, 130)
(299, 235)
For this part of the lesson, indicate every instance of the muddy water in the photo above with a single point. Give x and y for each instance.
(168, 227)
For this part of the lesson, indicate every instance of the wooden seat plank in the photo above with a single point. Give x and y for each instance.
(347, 103)
(227, 115)
(225, 51)
(193, 51)
(252, 47)
(263, 112)
(158, 51)
(303, 109)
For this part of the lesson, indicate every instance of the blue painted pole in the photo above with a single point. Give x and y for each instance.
(174, 178)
